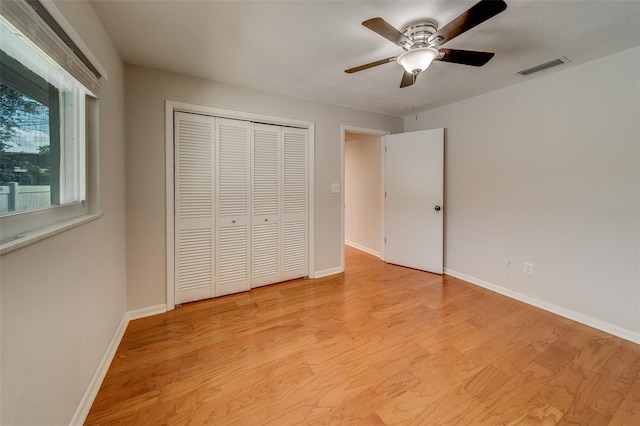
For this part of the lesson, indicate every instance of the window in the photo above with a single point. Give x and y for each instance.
(41, 148)
(44, 111)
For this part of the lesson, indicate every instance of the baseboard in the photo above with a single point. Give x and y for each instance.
(146, 312)
(90, 393)
(96, 381)
(567, 313)
(327, 272)
(362, 248)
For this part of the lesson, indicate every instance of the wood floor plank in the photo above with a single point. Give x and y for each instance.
(376, 345)
(538, 413)
(582, 415)
(628, 412)
(606, 390)
(512, 399)
(562, 389)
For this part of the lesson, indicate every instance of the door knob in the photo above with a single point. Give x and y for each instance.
(438, 208)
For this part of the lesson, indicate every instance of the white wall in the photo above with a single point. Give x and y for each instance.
(64, 297)
(362, 192)
(146, 93)
(548, 171)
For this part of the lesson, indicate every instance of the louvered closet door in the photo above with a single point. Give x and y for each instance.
(266, 185)
(232, 206)
(295, 203)
(193, 207)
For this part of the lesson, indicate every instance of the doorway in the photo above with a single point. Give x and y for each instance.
(416, 176)
(363, 176)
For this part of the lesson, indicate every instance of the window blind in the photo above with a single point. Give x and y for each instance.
(34, 21)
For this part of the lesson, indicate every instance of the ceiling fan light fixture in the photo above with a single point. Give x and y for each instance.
(417, 60)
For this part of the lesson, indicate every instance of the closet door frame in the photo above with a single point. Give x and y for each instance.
(174, 106)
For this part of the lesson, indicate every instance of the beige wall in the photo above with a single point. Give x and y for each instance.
(548, 172)
(362, 192)
(146, 93)
(64, 297)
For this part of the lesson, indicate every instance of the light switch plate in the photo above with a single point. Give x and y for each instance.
(528, 268)
(335, 188)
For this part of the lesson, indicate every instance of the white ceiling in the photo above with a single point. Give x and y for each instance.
(301, 48)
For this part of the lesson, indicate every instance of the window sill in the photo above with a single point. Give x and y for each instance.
(40, 234)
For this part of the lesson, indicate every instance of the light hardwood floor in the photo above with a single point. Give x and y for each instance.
(377, 345)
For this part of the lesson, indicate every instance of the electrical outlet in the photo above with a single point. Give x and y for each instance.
(335, 188)
(528, 268)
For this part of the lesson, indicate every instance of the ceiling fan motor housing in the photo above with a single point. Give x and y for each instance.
(419, 32)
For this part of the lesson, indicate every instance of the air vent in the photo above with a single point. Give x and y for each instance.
(544, 66)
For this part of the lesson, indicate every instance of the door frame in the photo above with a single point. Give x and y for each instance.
(175, 106)
(371, 132)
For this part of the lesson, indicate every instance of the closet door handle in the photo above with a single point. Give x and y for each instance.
(233, 221)
(266, 220)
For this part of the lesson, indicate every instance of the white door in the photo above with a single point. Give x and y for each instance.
(194, 207)
(413, 212)
(266, 227)
(241, 205)
(295, 203)
(279, 204)
(232, 206)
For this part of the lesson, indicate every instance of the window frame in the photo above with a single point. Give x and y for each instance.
(28, 227)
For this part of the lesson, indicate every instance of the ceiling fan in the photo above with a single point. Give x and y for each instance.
(421, 40)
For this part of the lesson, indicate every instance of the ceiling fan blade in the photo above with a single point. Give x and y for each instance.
(464, 57)
(370, 65)
(407, 79)
(478, 13)
(388, 31)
